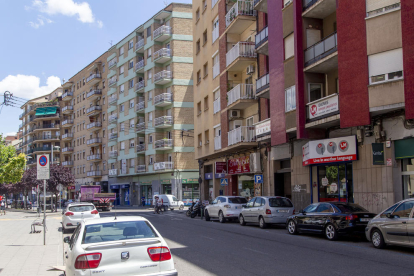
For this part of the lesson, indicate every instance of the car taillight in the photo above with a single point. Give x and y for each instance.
(293, 211)
(159, 254)
(351, 217)
(69, 214)
(227, 206)
(268, 212)
(94, 212)
(88, 261)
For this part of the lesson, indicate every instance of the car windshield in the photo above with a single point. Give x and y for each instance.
(280, 202)
(346, 208)
(115, 231)
(174, 198)
(81, 208)
(237, 200)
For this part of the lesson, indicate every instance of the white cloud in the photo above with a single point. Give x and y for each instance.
(11, 134)
(41, 20)
(28, 87)
(82, 10)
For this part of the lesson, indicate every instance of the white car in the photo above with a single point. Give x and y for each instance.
(170, 201)
(225, 207)
(77, 212)
(118, 246)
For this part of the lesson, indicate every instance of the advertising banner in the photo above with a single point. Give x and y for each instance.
(88, 192)
(239, 165)
(378, 154)
(323, 106)
(221, 167)
(263, 128)
(330, 150)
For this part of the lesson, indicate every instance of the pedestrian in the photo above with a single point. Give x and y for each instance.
(161, 205)
(156, 210)
(143, 201)
(3, 207)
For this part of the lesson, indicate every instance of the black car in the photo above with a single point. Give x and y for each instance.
(331, 219)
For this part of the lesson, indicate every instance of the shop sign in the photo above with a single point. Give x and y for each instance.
(263, 128)
(166, 181)
(208, 176)
(323, 106)
(378, 154)
(329, 150)
(114, 187)
(389, 162)
(190, 181)
(71, 188)
(220, 175)
(325, 181)
(239, 165)
(221, 167)
(333, 187)
(125, 186)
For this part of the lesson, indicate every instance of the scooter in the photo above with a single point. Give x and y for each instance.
(190, 210)
(196, 210)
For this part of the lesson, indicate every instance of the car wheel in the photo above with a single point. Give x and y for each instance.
(165, 208)
(222, 219)
(181, 207)
(241, 220)
(330, 232)
(207, 215)
(377, 239)
(262, 223)
(188, 213)
(292, 227)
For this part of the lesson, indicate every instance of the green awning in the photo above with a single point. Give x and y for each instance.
(404, 148)
(51, 110)
(40, 111)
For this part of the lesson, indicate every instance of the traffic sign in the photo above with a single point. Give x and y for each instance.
(43, 167)
(224, 182)
(258, 178)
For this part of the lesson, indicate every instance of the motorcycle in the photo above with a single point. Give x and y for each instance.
(196, 210)
(190, 210)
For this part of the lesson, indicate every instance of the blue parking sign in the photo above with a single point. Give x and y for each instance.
(224, 182)
(258, 178)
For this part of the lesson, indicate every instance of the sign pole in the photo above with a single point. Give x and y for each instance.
(43, 173)
(44, 212)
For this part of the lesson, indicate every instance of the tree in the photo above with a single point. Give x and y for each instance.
(11, 166)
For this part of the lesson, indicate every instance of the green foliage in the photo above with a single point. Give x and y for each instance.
(11, 166)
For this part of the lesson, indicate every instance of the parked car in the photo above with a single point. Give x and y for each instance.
(20, 204)
(331, 219)
(170, 201)
(129, 244)
(393, 226)
(75, 213)
(224, 208)
(266, 210)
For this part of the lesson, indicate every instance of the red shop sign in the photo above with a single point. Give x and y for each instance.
(221, 167)
(71, 188)
(239, 165)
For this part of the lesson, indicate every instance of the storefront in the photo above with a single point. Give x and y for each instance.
(404, 151)
(166, 187)
(116, 189)
(239, 169)
(209, 178)
(125, 193)
(190, 191)
(330, 162)
(146, 191)
(71, 192)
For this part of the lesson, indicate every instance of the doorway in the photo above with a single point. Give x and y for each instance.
(335, 182)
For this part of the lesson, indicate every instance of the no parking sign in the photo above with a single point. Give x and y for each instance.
(43, 167)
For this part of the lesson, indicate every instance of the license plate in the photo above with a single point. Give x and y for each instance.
(283, 211)
(365, 219)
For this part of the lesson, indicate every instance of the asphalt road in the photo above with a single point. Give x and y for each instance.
(211, 248)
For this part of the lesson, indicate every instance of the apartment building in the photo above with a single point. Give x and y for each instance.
(41, 127)
(150, 110)
(84, 123)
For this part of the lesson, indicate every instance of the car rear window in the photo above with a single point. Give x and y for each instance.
(346, 208)
(115, 231)
(81, 208)
(280, 202)
(237, 200)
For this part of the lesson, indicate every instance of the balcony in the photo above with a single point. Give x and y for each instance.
(139, 67)
(31, 162)
(140, 107)
(163, 166)
(240, 56)
(67, 123)
(67, 109)
(216, 70)
(94, 142)
(113, 172)
(163, 122)
(47, 116)
(318, 8)
(139, 46)
(140, 148)
(240, 16)
(163, 99)
(67, 163)
(241, 96)
(244, 134)
(94, 110)
(112, 81)
(164, 144)
(261, 42)
(113, 118)
(322, 57)
(45, 126)
(67, 150)
(216, 106)
(46, 148)
(162, 33)
(94, 126)
(112, 63)
(67, 136)
(139, 87)
(94, 79)
(162, 56)
(323, 112)
(93, 94)
(263, 130)
(94, 174)
(112, 100)
(67, 96)
(94, 157)
(141, 169)
(260, 5)
(113, 154)
(140, 127)
(47, 137)
(262, 87)
(113, 136)
(163, 77)
(217, 143)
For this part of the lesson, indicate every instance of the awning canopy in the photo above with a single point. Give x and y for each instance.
(50, 110)
(404, 148)
(40, 111)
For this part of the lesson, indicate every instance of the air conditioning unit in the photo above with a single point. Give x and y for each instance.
(234, 114)
(255, 165)
(250, 69)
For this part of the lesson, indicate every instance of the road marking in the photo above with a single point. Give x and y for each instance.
(207, 238)
(255, 251)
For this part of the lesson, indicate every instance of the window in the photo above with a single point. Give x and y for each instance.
(389, 210)
(150, 96)
(121, 50)
(216, 66)
(122, 88)
(131, 143)
(103, 68)
(103, 117)
(207, 136)
(325, 208)
(131, 44)
(83, 81)
(290, 99)
(257, 202)
(404, 210)
(103, 84)
(386, 66)
(215, 33)
(213, 3)
(131, 163)
(205, 69)
(122, 108)
(150, 117)
(375, 7)
(104, 166)
(83, 140)
(289, 46)
(198, 47)
(131, 123)
(131, 64)
(204, 4)
(131, 103)
(286, 2)
(199, 108)
(149, 32)
(200, 140)
(131, 84)
(150, 139)
(205, 37)
(149, 75)
(149, 53)
(121, 70)
(250, 121)
(122, 126)
(151, 161)
(205, 103)
(311, 208)
(103, 135)
(122, 145)
(197, 14)
(103, 100)
(198, 76)
(314, 92)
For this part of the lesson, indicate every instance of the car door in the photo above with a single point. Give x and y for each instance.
(246, 211)
(323, 213)
(305, 219)
(410, 227)
(254, 211)
(220, 205)
(212, 207)
(395, 227)
(71, 253)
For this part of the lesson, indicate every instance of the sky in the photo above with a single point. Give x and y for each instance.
(46, 41)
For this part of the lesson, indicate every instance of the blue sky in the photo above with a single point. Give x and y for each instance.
(45, 41)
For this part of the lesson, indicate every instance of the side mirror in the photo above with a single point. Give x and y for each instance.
(244, 206)
(66, 240)
(390, 216)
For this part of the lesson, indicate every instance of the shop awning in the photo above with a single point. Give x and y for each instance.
(51, 110)
(40, 111)
(404, 148)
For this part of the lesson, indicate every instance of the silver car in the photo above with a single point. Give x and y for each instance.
(393, 226)
(266, 210)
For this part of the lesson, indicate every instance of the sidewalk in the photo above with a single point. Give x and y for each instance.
(22, 253)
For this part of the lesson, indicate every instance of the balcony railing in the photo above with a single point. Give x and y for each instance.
(67, 149)
(93, 76)
(94, 173)
(94, 108)
(52, 125)
(241, 49)
(48, 137)
(67, 163)
(139, 106)
(162, 75)
(112, 99)
(384, 9)
(67, 94)
(94, 124)
(140, 64)
(216, 70)
(160, 166)
(244, 134)
(140, 127)
(67, 108)
(262, 83)
(164, 97)
(164, 120)
(164, 143)
(217, 143)
(112, 62)
(94, 157)
(164, 52)
(43, 105)
(112, 81)
(113, 154)
(47, 116)
(94, 141)
(163, 30)
(141, 168)
(113, 118)
(241, 7)
(113, 136)
(262, 37)
(113, 172)
(321, 49)
(67, 122)
(45, 148)
(140, 147)
(240, 92)
(140, 85)
(216, 105)
(94, 92)
(67, 135)
(139, 44)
